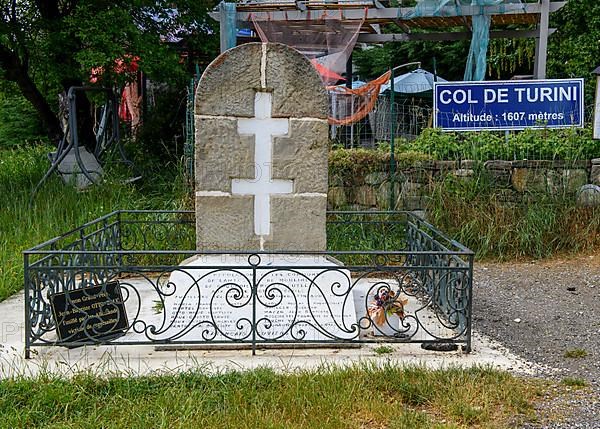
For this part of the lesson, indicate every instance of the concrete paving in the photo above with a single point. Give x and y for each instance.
(146, 359)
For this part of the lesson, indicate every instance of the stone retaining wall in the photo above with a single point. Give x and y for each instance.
(513, 179)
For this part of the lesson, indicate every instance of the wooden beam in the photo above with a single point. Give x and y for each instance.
(451, 36)
(227, 24)
(392, 13)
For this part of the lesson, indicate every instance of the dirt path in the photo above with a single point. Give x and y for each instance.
(549, 313)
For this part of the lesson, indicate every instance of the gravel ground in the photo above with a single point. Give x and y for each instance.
(545, 312)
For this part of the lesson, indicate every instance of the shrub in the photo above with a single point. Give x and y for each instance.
(475, 215)
(564, 144)
(19, 123)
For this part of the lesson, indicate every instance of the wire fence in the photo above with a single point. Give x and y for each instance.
(410, 117)
(412, 120)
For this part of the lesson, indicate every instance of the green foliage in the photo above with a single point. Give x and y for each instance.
(472, 213)
(161, 134)
(383, 350)
(576, 382)
(510, 57)
(449, 57)
(576, 353)
(56, 45)
(574, 50)
(19, 123)
(568, 144)
(59, 208)
(359, 396)
(352, 163)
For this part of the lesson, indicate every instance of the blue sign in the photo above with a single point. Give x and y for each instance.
(508, 105)
(244, 32)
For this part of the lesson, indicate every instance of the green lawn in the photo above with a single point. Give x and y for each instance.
(359, 397)
(59, 208)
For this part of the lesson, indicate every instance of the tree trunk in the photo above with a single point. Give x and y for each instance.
(16, 72)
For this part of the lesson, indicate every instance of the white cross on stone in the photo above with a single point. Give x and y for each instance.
(263, 127)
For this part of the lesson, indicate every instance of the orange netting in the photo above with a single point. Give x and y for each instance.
(348, 105)
(327, 41)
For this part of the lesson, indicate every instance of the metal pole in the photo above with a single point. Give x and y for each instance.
(392, 137)
(392, 131)
(349, 78)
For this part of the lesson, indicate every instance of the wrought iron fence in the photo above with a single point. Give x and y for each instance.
(130, 278)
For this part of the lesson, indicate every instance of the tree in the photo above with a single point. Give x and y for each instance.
(450, 58)
(574, 50)
(47, 46)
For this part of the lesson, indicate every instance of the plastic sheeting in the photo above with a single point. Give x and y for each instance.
(327, 42)
(477, 58)
(323, 38)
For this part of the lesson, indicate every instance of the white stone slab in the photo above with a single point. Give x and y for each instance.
(210, 299)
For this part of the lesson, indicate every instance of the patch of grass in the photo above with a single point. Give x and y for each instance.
(573, 382)
(382, 350)
(576, 353)
(360, 396)
(544, 226)
(58, 208)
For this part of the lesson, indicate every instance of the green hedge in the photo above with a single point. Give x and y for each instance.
(565, 144)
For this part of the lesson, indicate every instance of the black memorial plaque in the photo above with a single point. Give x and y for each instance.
(89, 314)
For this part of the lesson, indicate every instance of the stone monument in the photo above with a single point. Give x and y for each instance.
(261, 152)
(261, 184)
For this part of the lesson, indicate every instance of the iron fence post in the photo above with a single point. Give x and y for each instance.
(26, 284)
(469, 304)
(119, 243)
(254, 291)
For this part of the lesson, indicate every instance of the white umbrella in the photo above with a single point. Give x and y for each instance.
(413, 82)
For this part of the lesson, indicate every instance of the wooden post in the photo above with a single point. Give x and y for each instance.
(227, 25)
(597, 105)
(541, 42)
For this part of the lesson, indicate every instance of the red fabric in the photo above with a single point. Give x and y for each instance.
(121, 67)
(326, 74)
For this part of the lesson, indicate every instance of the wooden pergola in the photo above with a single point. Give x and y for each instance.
(452, 22)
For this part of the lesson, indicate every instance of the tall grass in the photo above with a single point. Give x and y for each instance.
(538, 226)
(362, 396)
(58, 208)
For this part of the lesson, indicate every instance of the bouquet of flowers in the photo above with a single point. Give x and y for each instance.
(385, 304)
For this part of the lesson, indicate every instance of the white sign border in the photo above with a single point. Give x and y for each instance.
(581, 123)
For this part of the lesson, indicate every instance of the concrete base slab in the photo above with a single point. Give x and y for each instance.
(70, 170)
(146, 359)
